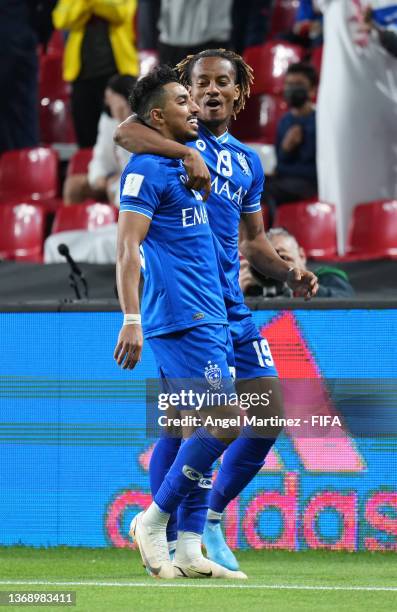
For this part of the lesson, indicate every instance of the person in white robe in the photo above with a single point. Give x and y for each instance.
(356, 110)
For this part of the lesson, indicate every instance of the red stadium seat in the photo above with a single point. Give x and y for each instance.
(22, 232)
(283, 17)
(270, 63)
(313, 224)
(56, 123)
(373, 230)
(29, 174)
(258, 121)
(56, 43)
(79, 162)
(51, 83)
(83, 216)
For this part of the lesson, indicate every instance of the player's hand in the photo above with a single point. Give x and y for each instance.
(129, 346)
(303, 283)
(199, 177)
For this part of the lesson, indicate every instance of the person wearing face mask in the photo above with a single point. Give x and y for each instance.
(295, 177)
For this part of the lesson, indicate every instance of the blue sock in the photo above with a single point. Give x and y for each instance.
(195, 456)
(241, 462)
(192, 511)
(162, 458)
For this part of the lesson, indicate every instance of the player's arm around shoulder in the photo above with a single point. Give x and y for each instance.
(136, 137)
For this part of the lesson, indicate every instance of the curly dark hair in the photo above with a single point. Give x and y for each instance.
(243, 72)
(148, 91)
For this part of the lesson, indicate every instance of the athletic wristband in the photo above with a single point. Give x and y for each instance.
(132, 319)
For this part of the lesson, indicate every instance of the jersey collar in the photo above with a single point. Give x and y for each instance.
(220, 139)
(223, 137)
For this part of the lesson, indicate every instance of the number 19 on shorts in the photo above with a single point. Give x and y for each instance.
(263, 353)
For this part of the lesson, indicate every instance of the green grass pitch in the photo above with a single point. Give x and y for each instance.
(111, 579)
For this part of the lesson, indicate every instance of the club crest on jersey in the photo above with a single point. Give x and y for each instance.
(243, 163)
(213, 375)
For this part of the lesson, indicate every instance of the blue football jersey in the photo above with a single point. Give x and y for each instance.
(182, 279)
(237, 182)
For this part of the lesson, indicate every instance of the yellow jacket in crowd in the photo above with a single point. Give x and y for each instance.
(73, 15)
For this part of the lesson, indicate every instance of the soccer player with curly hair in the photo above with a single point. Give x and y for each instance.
(232, 178)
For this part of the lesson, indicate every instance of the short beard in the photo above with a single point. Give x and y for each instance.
(214, 123)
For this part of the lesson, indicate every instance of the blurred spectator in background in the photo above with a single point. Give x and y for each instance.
(176, 28)
(100, 44)
(308, 27)
(108, 160)
(251, 21)
(295, 177)
(332, 281)
(21, 23)
(148, 16)
(356, 110)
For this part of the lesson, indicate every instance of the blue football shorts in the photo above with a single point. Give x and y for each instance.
(252, 354)
(200, 359)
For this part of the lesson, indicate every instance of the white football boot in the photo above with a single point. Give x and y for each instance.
(152, 542)
(201, 567)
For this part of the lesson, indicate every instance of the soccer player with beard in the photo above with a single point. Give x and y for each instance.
(219, 83)
(183, 312)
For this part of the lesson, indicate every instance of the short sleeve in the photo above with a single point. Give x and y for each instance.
(141, 186)
(252, 200)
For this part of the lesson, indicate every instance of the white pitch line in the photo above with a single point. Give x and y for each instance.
(202, 584)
